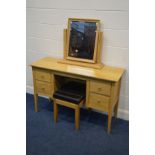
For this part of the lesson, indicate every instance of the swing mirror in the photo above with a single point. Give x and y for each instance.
(82, 39)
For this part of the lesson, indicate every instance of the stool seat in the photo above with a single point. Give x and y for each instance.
(72, 92)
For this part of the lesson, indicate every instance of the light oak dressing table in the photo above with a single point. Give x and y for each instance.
(82, 63)
(102, 85)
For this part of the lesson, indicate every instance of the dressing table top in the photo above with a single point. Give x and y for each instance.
(105, 73)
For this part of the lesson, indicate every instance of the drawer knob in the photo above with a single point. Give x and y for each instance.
(99, 89)
(98, 101)
(42, 77)
(43, 89)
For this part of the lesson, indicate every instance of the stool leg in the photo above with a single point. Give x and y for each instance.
(55, 112)
(77, 118)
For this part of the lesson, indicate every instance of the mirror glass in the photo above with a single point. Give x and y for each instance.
(82, 39)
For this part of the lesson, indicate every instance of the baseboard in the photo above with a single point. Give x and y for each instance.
(29, 89)
(123, 114)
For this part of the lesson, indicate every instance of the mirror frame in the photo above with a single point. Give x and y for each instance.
(96, 40)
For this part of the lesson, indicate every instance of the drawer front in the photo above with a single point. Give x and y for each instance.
(43, 76)
(100, 87)
(99, 102)
(44, 88)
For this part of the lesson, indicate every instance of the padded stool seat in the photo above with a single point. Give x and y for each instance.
(72, 95)
(72, 92)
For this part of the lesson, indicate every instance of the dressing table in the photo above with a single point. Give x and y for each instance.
(102, 82)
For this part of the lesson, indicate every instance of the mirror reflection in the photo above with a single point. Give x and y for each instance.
(82, 39)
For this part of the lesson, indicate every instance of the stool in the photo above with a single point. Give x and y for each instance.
(72, 95)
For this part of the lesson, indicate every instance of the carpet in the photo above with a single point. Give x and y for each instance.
(43, 137)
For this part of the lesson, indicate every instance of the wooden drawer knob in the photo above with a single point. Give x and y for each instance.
(99, 89)
(98, 101)
(42, 76)
(43, 89)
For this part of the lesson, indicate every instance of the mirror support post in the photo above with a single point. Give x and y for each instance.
(65, 43)
(99, 47)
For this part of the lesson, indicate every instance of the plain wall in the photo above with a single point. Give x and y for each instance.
(46, 20)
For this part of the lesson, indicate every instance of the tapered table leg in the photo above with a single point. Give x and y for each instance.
(109, 121)
(36, 102)
(116, 110)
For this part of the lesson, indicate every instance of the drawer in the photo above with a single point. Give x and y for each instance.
(44, 88)
(100, 87)
(43, 76)
(99, 102)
